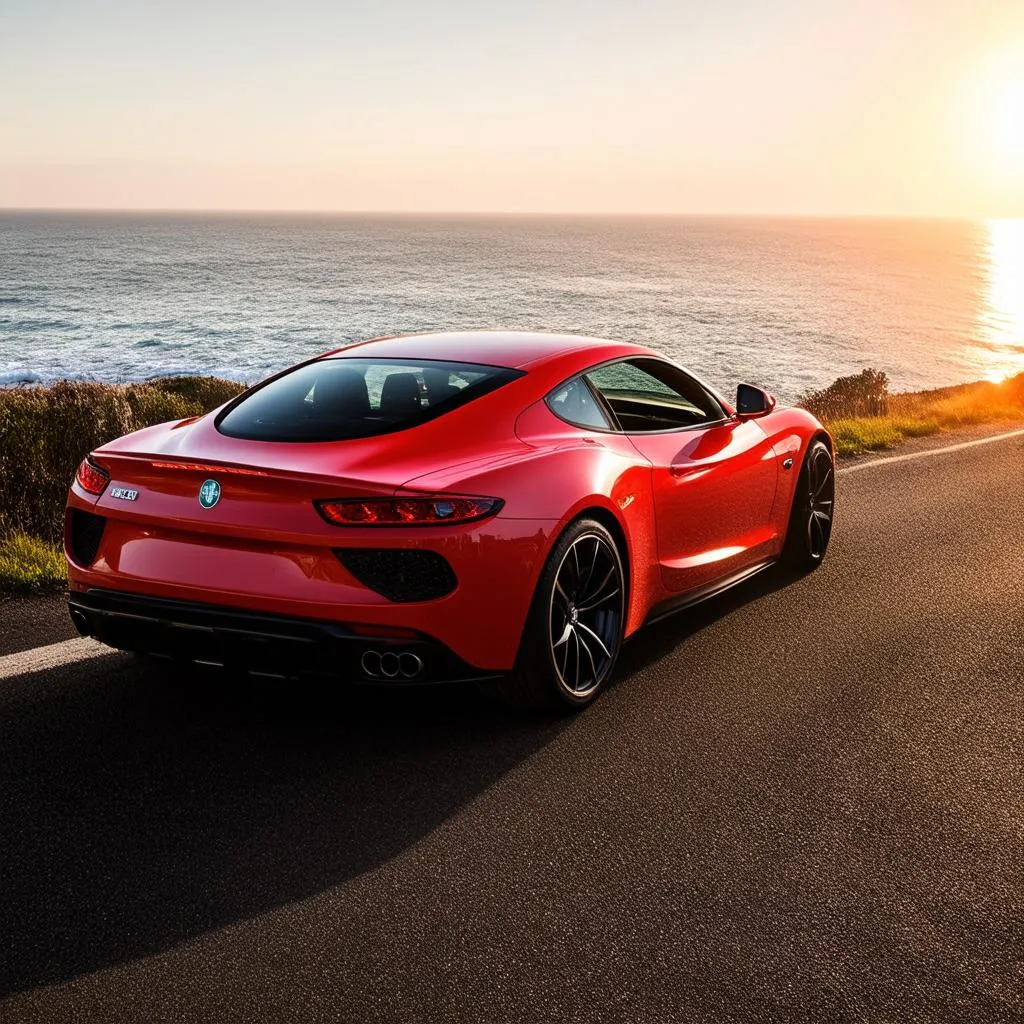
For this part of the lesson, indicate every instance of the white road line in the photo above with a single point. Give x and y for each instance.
(930, 451)
(52, 656)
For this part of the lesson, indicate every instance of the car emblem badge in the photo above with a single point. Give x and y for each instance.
(209, 493)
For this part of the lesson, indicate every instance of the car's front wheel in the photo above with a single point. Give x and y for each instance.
(810, 522)
(574, 630)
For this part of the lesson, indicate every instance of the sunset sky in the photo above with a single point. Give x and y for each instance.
(737, 106)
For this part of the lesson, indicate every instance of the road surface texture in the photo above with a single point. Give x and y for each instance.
(803, 801)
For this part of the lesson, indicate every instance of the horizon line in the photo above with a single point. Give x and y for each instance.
(337, 212)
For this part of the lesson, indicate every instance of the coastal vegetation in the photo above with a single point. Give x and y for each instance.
(863, 416)
(44, 434)
(46, 431)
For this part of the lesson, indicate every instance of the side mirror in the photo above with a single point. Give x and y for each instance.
(751, 401)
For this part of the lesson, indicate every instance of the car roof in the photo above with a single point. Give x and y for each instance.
(514, 349)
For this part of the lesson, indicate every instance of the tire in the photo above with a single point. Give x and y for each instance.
(810, 521)
(574, 629)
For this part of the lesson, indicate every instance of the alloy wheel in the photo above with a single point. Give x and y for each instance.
(821, 487)
(585, 614)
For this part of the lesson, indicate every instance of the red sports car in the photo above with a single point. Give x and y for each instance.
(498, 507)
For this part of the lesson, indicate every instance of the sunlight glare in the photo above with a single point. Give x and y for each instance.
(1002, 318)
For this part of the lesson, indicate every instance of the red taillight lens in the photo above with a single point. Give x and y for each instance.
(432, 511)
(92, 478)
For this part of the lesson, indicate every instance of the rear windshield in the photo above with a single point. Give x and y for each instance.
(341, 398)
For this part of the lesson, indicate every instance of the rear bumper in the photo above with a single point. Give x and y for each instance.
(264, 643)
(479, 614)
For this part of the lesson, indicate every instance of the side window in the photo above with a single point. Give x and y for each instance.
(647, 394)
(574, 403)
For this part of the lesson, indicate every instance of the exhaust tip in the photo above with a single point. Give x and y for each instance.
(81, 622)
(391, 664)
(410, 665)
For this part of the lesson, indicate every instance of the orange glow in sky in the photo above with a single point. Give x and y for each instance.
(906, 107)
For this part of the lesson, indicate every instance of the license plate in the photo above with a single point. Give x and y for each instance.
(124, 493)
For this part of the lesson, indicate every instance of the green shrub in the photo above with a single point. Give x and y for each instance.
(29, 565)
(861, 394)
(46, 432)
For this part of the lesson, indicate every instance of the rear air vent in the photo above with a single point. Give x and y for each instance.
(84, 536)
(400, 574)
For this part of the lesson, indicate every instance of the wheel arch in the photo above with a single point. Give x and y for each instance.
(821, 434)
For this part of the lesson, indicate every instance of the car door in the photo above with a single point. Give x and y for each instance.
(714, 475)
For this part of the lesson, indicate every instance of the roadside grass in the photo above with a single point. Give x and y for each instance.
(861, 434)
(30, 566)
(917, 414)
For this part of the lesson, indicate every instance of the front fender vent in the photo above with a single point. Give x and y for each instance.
(400, 574)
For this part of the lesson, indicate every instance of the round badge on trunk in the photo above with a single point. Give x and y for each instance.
(209, 493)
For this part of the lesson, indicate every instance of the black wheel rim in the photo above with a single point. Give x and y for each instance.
(821, 492)
(585, 615)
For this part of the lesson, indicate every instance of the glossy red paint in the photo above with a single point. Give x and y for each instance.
(689, 506)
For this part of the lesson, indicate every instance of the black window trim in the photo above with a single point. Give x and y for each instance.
(508, 375)
(609, 412)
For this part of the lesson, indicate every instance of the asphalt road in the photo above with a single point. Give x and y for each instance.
(804, 801)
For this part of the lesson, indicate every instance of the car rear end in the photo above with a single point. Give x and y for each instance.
(259, 540)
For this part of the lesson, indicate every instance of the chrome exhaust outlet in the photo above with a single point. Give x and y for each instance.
(389, 665)
(409, 664)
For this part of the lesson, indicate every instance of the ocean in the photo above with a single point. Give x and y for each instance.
(789, 304)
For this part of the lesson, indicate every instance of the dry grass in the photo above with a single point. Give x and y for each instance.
(46, 432)
(927, 412)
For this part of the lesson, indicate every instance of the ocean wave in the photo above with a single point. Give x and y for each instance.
(33, 326)
(26, 378)
(19, 378)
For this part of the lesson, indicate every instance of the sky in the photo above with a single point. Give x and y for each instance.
(888, 107)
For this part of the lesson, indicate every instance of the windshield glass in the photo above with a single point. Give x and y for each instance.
(337, 399)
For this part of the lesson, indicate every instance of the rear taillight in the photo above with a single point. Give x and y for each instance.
(430, 511)
(92, 478)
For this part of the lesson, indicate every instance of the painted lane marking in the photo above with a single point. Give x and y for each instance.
(930, 451)
(39, 659)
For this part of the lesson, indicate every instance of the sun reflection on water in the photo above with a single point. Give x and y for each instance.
(1001, 320)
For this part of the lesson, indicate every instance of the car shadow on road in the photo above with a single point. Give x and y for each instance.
(139, 809)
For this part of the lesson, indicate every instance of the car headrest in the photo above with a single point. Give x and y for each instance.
(342, 392)
(400, 396)
(438, 388)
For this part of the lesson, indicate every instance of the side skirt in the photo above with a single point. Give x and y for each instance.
(705, 593)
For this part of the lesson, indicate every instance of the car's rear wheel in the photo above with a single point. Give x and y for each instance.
(810, 522)
(574, 630)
